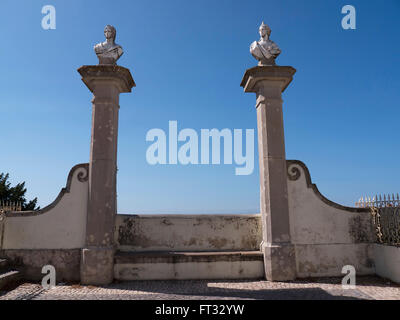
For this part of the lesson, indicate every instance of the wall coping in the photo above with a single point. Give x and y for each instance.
(82, 177)
(294, 174)
(189, 216)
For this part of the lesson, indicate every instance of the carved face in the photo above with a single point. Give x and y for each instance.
(108, 33)
(263, 32)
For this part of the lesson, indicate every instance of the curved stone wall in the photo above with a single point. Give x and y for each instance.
(326, 235)
(60, 225)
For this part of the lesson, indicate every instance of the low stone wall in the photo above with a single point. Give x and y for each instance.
(188, 265)
(30, 262)
(327, 260)
(387, 262)
(188, 232)
(60, 225)
(326, 235)
(53, 235)
(156, 247)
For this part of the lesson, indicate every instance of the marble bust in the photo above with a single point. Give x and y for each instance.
(108, 51)
(265, 50)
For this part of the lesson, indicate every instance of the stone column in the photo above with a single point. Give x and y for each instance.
(268, 82)
(106, 82)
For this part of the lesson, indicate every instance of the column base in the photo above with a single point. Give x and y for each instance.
(97, 265)
(279, 261)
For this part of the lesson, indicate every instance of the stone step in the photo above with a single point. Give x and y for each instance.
(188, 265)
(9, 278)
(3, 264)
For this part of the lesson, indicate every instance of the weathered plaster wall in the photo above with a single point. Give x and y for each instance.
(30, 262)
(326, 260)
(188, 232)
(179, 266)
(61, 225)
(190, 271)
(387, 261)
(326, 235)
(52, 235)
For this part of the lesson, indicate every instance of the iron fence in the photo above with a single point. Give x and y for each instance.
(10, 206)
(379, 201)
(386, 217)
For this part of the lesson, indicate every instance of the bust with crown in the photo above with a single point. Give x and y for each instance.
(265, 50)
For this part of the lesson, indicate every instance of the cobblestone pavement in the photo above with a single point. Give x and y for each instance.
(367, 288)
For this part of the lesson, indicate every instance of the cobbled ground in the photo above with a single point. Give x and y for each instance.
(367, 288)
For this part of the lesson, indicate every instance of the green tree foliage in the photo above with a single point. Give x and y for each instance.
(15, 194)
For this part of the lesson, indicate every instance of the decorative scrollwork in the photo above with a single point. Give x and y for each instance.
(83, 174)
(293, 173)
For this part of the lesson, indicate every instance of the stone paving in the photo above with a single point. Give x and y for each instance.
(368, 288)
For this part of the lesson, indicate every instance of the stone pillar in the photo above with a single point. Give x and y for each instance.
(268, 82)
(106, 82)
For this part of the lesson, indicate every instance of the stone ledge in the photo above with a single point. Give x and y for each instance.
(188, 265)
(97, 72)
(283, 74)
(9, 277)
(186, 257)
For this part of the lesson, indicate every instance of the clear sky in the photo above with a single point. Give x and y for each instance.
(341, 111)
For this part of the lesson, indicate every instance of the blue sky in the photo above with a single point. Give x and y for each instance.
(188, 57)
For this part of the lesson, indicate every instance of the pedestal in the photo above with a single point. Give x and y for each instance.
(268, 82)
(106, 82)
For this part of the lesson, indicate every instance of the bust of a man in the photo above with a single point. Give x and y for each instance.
(108, 51)
(265, 50)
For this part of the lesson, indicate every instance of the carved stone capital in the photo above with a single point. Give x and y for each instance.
(267, 76)
(120, 76)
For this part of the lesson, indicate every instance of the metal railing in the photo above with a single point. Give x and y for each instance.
(379, 201)
(10, 206)
(386, 217)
